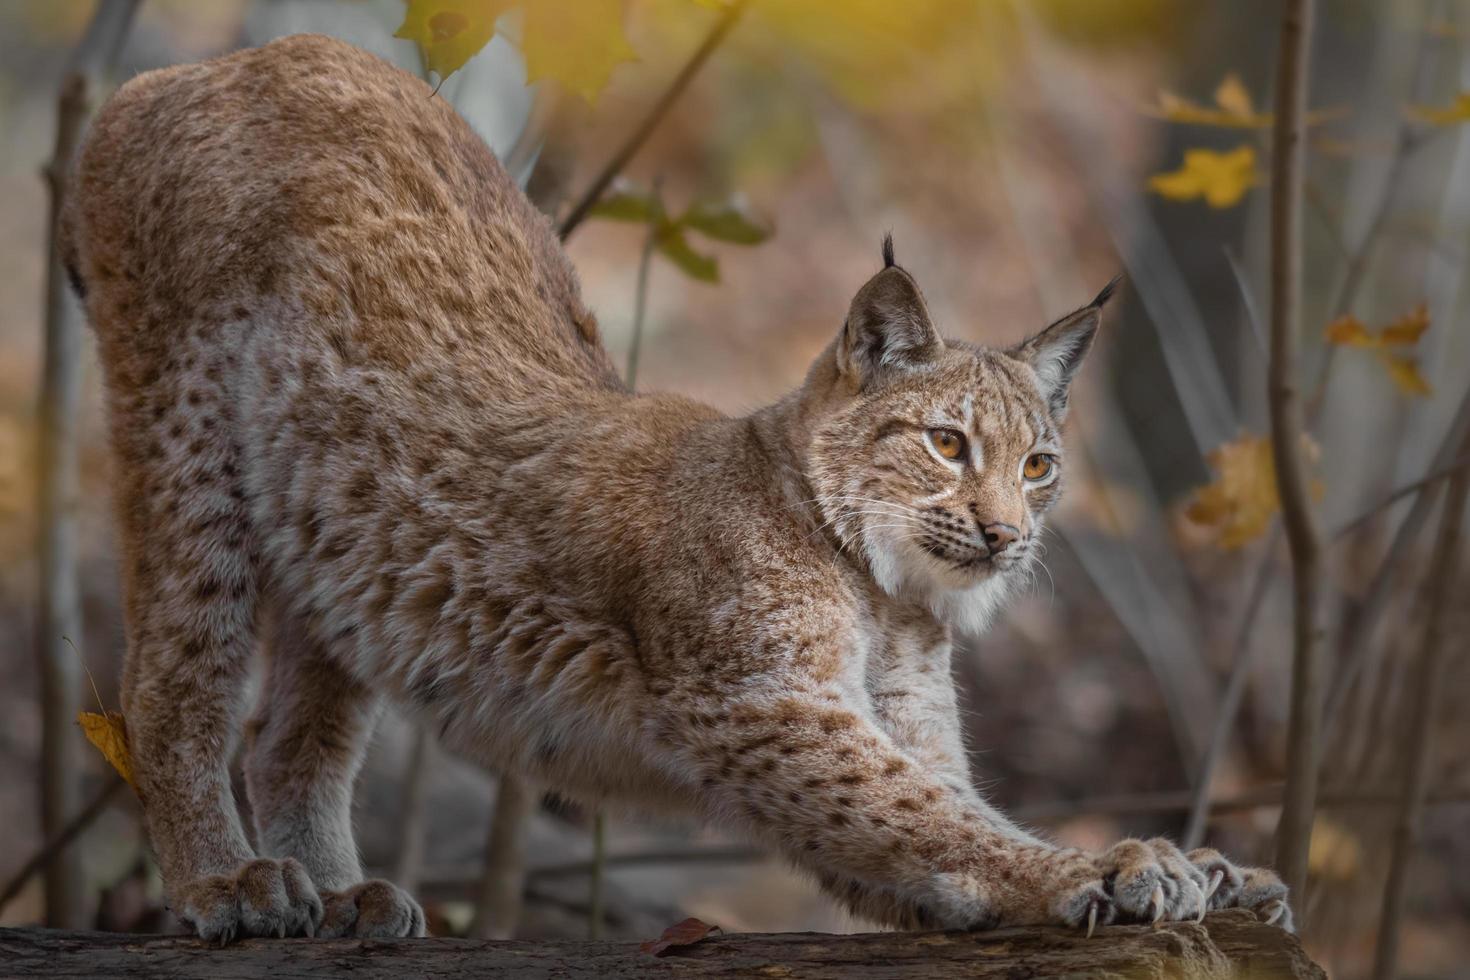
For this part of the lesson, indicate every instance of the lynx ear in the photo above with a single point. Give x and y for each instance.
(888, 327)
(1057, 352)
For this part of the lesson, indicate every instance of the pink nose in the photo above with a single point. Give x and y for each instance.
(999, 536)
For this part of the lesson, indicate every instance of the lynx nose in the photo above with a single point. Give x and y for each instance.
(999, 536)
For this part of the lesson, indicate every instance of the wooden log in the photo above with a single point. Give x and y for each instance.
(1231, 944)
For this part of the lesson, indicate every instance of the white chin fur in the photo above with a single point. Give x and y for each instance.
(904, 571)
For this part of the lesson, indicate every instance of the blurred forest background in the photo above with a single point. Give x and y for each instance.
(1022, 152)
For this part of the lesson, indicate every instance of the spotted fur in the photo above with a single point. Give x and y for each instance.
(361, 413)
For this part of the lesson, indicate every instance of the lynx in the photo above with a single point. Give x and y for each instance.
(363, 421)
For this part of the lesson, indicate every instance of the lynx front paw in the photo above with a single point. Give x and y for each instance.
(265, 897)
(375, 909)
(1132, 881)
(1231, 886)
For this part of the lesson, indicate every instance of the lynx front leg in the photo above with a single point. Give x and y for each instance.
(815, 776)
(307, 742)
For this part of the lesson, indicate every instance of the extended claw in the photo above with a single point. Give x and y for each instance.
(1276, 913)
(1215, 880)
(1156, 902)
(1091, 919)
(1204, 906)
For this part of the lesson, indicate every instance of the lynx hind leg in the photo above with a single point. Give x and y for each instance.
(191, 580)
(307, 742)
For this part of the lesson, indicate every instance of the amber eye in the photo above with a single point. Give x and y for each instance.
(1037, 466)
(951, 444)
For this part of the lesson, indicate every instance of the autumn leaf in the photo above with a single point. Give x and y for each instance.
(1387, 344)
(729, 221)
(450, 32)
(1458, 111)
(625, 205)
(1241, 501)
(576, 42)
(1408, 328)
(1222, 179)
(108, 733)
(685, 933)
(1233, 107)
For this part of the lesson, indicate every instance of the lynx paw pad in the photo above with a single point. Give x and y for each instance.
(265, 897)
(375, 909)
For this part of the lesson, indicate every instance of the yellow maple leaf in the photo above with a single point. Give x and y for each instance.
(1242, 499)
(1222, 179)
(576, 42)
(1458, 111)
(450, 32)
(1405, 331)
(109, 734)
(1233, 107)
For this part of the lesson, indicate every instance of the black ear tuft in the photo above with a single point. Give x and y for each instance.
(1108, 290)
(888, 260)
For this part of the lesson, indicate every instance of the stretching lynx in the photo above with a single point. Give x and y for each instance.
(360, 412)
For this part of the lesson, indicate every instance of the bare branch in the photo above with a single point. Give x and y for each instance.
(60, 614)
(503, 884)
(639, 136)
(409, 865)
(1443, 570)
(62, 839)
(1303, 537)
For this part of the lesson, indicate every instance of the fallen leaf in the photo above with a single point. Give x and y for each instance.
(109, 734)
(1222, 179)
(578, 43)
(685, 933)
(1458, 111)
(450, 32)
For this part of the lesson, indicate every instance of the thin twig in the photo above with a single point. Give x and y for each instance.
(1240, 666)
(639, 136)
(597, 869)
(1294, 833)
(409, 865)
(1443, 571)
(1340, 533)
(63, 838)
(503, 880)
(60, 614)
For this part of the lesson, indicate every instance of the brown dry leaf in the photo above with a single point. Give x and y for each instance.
(685, 933)
(109, 733)
(1241, 501)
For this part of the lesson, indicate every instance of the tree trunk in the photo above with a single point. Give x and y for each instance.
(1227, 945)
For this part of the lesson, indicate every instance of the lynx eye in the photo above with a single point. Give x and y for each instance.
(951, 444)
(1038, 466)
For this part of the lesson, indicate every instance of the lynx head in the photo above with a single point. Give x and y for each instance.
(933, 460)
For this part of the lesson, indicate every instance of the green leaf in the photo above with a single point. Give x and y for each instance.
(675, 246)
(626, 206)
(728, 222)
